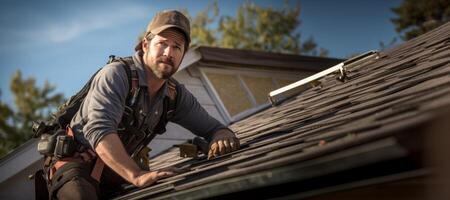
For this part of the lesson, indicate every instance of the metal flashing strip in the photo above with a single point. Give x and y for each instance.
(281, 94)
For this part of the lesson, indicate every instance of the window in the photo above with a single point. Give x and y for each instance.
(259, 87)
(284, 82)
(230, 92)
(243, 92)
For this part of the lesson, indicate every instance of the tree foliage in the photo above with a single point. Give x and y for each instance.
(253, 28)
(32, 103)
(416, 17)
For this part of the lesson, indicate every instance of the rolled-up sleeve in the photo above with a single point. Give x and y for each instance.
(105, 103)
(192, 116)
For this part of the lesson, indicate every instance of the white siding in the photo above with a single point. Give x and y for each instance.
(185, 78)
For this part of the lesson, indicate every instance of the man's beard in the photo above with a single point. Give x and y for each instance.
(159, 67)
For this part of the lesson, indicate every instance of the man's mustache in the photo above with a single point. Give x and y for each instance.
(165, 60)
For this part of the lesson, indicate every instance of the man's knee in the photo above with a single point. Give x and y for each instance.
(77, 188)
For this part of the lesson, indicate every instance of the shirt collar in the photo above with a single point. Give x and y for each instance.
(138, 64)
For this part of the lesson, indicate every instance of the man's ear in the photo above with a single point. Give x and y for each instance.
(144, 45)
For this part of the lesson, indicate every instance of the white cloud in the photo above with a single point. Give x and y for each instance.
(87, 21)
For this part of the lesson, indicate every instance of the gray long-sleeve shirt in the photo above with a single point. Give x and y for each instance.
(102, 109)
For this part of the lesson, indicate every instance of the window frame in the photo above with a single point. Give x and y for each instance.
(238, 72)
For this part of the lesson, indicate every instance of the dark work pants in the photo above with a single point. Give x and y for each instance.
(77, 188)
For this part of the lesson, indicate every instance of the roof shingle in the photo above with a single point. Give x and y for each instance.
(332, 128)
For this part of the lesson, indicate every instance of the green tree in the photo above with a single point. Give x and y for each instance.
(416, 17)
(31, 103)
(253, 28)
(201, 34)
(6, 129)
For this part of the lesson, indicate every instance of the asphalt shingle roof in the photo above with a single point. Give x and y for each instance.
(334, 127)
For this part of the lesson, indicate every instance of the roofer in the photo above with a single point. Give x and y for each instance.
(127, 102)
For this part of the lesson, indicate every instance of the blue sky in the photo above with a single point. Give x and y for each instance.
(64, 42)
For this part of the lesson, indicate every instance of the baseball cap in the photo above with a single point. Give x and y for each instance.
(168, 19)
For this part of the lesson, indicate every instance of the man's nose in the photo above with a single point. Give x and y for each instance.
(168, 51)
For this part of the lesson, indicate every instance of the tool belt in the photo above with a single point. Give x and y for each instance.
(66, 159)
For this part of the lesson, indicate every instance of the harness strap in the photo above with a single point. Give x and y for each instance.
(65, 169)
(79, 157)
(134, 91)
(172, 93)
(134, 81)
(99, 164)
(61, 162)
(96, 172)
(169, 107)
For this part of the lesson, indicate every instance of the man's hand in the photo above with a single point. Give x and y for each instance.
(147, 178)
(223, 141)
(110, 149)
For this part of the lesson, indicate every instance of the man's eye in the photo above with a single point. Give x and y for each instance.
(160, 43)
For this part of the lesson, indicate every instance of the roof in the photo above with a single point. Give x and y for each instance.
(19, 159)
(339, 133)
(214, 56)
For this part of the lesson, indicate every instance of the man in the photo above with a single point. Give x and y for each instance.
(96, 124)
